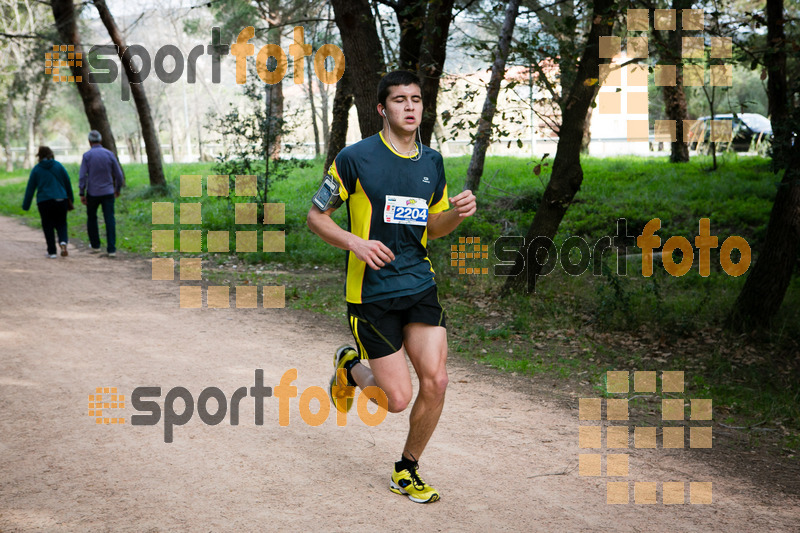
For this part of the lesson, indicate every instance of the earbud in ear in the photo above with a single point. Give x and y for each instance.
(384, 113)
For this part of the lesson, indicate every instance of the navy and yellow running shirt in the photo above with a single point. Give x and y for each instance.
(388, 199)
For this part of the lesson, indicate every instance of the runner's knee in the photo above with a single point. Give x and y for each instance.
(435, 385)
(398, 401)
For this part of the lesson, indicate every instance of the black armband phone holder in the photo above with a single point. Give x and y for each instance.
(328, 194)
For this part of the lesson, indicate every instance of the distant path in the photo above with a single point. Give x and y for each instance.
(13, 181)
(70, 325)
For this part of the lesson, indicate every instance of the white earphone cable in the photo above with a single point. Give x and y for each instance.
(417, 148)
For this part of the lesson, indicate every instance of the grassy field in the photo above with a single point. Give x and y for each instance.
(573, 328)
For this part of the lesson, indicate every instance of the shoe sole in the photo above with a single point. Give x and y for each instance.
(341, 349)
(64, 252)
(394, 487)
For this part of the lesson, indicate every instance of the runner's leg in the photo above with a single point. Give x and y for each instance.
(390, 373)
(427, 349)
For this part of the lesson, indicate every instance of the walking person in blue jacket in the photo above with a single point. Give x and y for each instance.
(100, 183)
(50, 181)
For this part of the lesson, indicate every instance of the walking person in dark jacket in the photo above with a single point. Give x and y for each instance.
(50, 181)
(100, 182)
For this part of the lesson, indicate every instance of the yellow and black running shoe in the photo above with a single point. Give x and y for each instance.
(408, 483)
(344, 354)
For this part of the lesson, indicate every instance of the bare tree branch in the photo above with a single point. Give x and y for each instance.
(21, 35)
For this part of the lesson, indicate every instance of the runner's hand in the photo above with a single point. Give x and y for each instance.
(374, 253)
(464, 203)
(83, 200)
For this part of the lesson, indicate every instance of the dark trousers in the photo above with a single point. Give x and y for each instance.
(107, 201)
(54, 219)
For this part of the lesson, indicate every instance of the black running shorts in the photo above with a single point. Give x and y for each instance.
(378, 326)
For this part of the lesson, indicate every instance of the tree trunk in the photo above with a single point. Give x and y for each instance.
(275, 116)
(777, 90)
(342, 102)
(587, 132)
(7, 135)
(326, 132)
(433, 52)
(172, 144)
(484, 133)
(149, 131)
(362, 48)
(675, 107)
(766, 284)
(411, 20)
(27, 161)
(674, 95)
(64, 14)
(38, 111)
(132, 151)
(187, 132)
(567, 174)
(310, 82)
(441, 138)
(201, 156)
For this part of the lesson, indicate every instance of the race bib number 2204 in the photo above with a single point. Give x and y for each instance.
(405, 210)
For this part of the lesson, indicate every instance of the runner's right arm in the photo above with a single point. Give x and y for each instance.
(374, 253)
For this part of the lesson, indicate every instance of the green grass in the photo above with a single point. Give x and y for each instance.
(574, 328)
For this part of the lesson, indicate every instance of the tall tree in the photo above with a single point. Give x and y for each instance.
(365, 64)
(411, 15)
(149, 131)
(432, 54)
(9, 117)
(424, 29)
(310, 84)
(64, 14)
(669, 44)
(484, 133)
(766, 284)
(279, 17)
(25, 36)
(342, 102)
(567, 174)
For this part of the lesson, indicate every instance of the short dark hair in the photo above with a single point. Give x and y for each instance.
(45, 153)
(396, 77)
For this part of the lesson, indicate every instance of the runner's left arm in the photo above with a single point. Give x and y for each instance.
(441, 224)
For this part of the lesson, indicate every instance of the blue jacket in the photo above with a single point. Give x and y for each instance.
(100, 173)
(51, 181)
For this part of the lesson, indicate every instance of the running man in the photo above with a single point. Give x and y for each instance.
(396, 197)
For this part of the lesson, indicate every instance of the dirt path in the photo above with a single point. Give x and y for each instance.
(70, 325)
